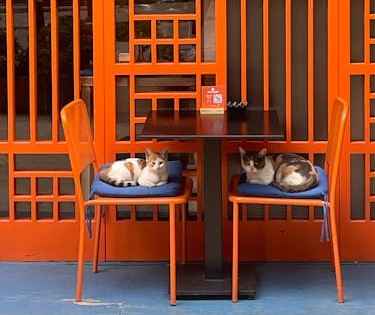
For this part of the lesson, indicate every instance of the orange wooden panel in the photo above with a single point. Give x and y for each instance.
(311, 146)
(50, 241)
(118, 245)
(16, 231)
(355, 234)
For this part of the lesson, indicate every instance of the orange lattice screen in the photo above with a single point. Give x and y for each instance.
(127, 57)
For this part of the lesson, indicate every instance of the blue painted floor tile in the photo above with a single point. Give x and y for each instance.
(135, 289)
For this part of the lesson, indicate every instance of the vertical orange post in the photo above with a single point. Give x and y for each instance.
(99, 75)
(131, 31)
(32, 69)
(11, 99)
(76, 48)
(55, 69)
(243, 52)
(153, 42)
(10, 68)
(288, 69)
(266, 61)
(310, 69)
(366, 31)
(198, 26)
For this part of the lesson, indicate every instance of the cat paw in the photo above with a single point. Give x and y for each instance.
(161, 183)
(146, 184)
(130, 184)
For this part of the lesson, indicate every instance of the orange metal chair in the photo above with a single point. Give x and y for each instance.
(77, 131)
(333, 155)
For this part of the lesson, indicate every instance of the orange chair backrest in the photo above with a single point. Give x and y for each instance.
(337, 125)
(77, 130)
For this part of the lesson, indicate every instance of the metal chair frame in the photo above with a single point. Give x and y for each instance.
(333, 156)
(78, 135)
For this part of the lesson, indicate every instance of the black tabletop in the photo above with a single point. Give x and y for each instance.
(234, 124)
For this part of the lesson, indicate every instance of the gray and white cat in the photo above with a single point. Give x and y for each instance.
(289, 172)
(133, 171)
(258, 166)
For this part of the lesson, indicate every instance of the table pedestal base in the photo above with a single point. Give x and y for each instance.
(193, 284)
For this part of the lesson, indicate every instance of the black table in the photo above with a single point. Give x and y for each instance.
(212, 280)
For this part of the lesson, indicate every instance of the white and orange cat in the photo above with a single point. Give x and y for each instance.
(133, 171)
(155, 173)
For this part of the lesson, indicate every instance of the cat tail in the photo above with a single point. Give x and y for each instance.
(311, 182)
(104, 177)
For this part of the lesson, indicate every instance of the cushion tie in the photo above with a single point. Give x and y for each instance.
(325, 232)
(90, 213)
(89, 217)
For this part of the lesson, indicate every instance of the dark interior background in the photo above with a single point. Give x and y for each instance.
(277, 60)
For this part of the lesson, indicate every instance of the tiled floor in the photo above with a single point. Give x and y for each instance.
(285, 288)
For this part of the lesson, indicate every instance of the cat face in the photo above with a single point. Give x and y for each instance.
(253, 162)
(156, 161)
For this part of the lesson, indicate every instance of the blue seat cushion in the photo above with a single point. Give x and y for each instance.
(172, 188)
(257, 190)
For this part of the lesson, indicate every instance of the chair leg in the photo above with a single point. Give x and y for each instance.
(98, 214)
(336, 256)
(183, 237)
(235, 253)
(81, 251)
(332, 259)
(172, 252)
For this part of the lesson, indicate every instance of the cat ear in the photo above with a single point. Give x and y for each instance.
(148, 152)
(263, 152)
(164, 154)
(242, 151)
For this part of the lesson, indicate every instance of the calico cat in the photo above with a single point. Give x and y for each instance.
(123, 173)
(289, 172)
(294, 173)
(133, 171)
(155, 173)
(258, 167)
